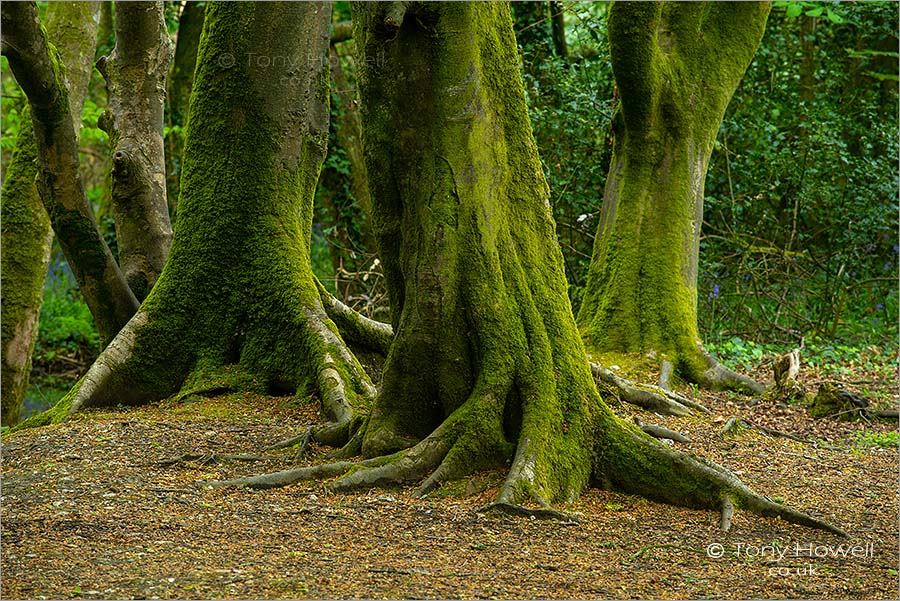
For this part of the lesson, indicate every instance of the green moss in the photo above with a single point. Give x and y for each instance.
(54, 415)
(676, 66)
(237, 305)
(26, 254)
(484, 335)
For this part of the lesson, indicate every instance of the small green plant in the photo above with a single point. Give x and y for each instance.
(868, 439)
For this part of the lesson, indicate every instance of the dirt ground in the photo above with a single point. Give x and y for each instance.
(96, 508)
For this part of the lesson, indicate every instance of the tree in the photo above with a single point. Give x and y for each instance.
(38, 71)
(486, 367)
(676, 66)
(27, 236)
(181, 81)
(237, 304)
(135, 74)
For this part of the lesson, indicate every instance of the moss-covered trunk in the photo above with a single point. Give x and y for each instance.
(135, 74)
(237, 304)
(27, 236)
(486, 367)
(180, 84)
(676, 66)
(485, 345)
(36, 66)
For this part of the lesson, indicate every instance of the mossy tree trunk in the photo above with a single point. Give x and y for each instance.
(180, 84)
(676, 66)
(36, 66)
(27, 236)
(135, 74)
(237, 305)
(486, 367)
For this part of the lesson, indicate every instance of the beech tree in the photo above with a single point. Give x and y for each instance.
(36, 67)
(676, 66)
(27, 236)
(135, 73)
(485, 366)
(237, 304)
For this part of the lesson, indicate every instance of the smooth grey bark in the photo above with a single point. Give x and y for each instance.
(135, 74)
(31, 60)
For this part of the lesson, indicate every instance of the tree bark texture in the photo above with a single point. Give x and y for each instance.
(237, 305)
(676, 66)
(135, 74)
(486, 366)
(36, 66)
(181, 83)
(27, 235)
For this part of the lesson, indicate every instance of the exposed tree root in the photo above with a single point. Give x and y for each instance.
(627, 460)
(665, 374)
(718, 377)
(644, 466)
(652, 398)
(355, 328)
(660, 432)
(104, 381)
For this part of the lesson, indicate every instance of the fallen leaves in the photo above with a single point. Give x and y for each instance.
(92, 509)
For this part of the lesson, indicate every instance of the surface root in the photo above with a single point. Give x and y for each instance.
(541, 514)
(647, 396)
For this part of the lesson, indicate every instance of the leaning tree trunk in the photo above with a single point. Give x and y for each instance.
(237, 304)
(676, 66)
(27, 236)
(135, 74)
(486, 367)
(35, 64)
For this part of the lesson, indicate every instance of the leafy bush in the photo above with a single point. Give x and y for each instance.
(66, 324)
(800, 237)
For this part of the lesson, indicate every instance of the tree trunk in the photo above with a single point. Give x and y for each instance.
(27, 239)
(486, 368)
(238, 305)
(181, 82)
(135, 76)
(62, 192)
(27, 236)
(676, 66)
(560, 46)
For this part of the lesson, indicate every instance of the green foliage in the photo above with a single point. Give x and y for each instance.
(800, 235)
(65, 324)
(824, 357)
(867, 438)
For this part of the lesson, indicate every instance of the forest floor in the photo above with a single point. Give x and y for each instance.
(111, 505)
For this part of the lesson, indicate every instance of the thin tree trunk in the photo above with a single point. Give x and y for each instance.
(559, 29)
(60, 186)
(676, 67)
(135, 76)
(349, 137)
(181, 83)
